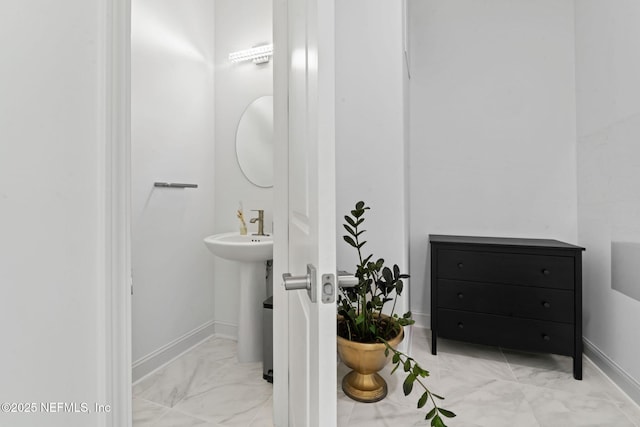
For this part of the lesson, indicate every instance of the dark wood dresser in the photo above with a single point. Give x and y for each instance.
(524, 294)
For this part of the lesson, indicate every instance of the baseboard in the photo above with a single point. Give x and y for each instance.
(423, 320)
(226, 330)
(622, 379)
(170, 351)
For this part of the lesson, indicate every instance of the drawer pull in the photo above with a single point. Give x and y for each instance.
(460, 325)
(460, 295)
(460, 265)
(545, 272)
(546, 337)
(545, 304)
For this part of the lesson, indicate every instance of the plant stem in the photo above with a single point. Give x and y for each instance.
(413, 364)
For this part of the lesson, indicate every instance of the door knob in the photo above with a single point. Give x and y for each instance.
(293, 283)
(308, 282)
(347, 280)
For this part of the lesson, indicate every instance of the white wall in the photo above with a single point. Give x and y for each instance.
(172, 141)
(608, 107)
(492, 123)
(239, 24)
(50, 207)
(370, 130)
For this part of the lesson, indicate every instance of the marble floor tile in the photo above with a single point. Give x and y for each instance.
(473, 360)
(384, 414)
(554, 408)
(174, 418)
(556, 372)
(233, 404)
(264, 417)
(345, 406)
(631, 410)
(495, 403)
(146, 413)
(172, 383)
(484, 386)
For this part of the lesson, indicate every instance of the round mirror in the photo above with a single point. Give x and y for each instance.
(254, 142)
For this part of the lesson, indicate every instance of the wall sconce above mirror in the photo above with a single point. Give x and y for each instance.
(254, 142)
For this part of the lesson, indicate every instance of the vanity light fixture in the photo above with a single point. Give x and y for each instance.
(258, 54)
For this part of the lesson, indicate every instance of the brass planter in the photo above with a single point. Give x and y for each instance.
(363, 383)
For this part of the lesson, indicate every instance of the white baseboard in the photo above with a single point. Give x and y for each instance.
(423, 320)
(165, 354)
(619, 376)
(226, 330)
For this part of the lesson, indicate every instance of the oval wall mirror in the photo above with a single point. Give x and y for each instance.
(254, 142)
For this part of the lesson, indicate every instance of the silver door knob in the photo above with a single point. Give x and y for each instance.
(347, 280)
(308, 282)
(292, 283)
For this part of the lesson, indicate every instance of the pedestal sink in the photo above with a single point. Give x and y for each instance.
(250, 253)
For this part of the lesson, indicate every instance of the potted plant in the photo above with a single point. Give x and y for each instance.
(367, 338)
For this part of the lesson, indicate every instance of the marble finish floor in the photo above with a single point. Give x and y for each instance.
(485, 386)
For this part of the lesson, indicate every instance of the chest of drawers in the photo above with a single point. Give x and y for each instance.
(524, 294)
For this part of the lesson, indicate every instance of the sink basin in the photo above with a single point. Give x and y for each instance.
(235, 247)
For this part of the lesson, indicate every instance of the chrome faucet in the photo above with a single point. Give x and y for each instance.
(260, 220)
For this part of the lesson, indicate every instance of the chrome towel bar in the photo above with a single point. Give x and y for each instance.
(174, 185)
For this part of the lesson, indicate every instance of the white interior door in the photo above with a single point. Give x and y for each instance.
(304, 322)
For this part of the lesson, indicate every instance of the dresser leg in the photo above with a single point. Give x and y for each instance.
(577, 366)
(433, 342)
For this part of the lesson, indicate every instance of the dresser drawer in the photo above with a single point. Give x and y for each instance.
(507, 300)
(508, 268)
(508, 332)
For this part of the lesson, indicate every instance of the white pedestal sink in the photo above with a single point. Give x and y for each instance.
(250, 252)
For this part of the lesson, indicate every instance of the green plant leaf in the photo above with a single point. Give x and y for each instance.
(350, 241)
(437, 396)
(396, 358)
(350, 221)
(437, 422)
(394, 368)
(360, 205)
(423, 399)
(430, 414)
(396, 271)
(406, 322)
(360, 245)
(407, 385)
(407, 365)
(446, 413)
(386, 273)
(349, 230)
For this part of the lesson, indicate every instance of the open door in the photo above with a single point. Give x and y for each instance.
(305, 214)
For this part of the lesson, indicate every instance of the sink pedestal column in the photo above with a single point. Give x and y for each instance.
(252, 295)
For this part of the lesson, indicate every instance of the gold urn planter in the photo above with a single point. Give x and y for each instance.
(363, 383)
